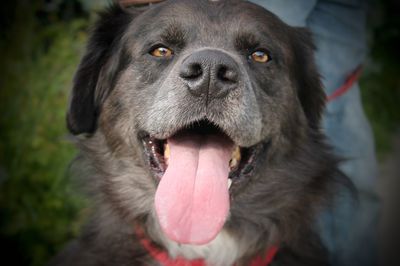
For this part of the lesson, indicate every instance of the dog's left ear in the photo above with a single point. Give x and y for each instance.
(97, 70)
(309, 87)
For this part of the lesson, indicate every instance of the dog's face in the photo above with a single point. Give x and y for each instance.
(189, 105)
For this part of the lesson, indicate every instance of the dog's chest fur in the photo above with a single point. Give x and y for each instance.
(222, 251)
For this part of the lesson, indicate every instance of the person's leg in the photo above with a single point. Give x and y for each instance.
(292, 12)
(349, 230)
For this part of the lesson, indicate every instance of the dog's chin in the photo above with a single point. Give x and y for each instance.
(223, 250)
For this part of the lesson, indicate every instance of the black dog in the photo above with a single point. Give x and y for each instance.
(198, 126)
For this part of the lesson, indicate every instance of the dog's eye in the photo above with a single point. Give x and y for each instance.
(260, 57)
(162, 52)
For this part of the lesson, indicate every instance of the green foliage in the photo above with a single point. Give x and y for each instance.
(38, 206)
(381, 96)
(381, 81)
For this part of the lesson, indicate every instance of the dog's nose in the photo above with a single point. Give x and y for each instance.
(210, 73)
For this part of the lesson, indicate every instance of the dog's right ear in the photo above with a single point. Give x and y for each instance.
(84, 106)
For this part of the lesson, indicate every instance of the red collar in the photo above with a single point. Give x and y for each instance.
(163, 258)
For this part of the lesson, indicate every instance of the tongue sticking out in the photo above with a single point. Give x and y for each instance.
(192, 199)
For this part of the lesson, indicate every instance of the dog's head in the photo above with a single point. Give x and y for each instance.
(200, 107)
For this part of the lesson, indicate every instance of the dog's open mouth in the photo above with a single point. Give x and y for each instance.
(196, 167)
(241, 162)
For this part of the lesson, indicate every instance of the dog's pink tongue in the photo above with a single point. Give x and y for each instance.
(192, 200)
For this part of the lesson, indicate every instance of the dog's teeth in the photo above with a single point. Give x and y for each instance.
(166, 153)
(235, 158)
(229, 182)
(233, 163)
(236, 153)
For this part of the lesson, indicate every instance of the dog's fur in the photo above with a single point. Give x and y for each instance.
(120, 92)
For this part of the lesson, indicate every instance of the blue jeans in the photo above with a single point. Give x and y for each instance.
(349, 230)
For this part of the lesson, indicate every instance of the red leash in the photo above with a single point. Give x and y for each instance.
(163, 258)
(350, 80)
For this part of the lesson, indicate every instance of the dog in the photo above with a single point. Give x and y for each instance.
(198, 125)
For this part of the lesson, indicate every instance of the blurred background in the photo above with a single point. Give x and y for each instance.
(41, 42)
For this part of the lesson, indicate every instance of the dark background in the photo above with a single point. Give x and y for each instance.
(41, 42)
